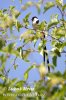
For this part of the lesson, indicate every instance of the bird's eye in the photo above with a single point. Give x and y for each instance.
(37, 21)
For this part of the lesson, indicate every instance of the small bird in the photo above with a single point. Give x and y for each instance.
(36, 26)
(35, 22)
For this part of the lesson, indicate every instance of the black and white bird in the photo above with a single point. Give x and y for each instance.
(35, 22)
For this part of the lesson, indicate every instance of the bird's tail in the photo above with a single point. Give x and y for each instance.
(45, 54)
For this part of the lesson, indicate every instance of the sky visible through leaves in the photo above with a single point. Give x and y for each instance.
(34, 57)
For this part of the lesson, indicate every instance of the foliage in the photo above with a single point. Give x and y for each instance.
(51, 86)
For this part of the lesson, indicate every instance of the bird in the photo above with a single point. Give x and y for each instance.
(35, 22)
(36, 25)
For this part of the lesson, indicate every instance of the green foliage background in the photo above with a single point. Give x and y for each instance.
(51, 86)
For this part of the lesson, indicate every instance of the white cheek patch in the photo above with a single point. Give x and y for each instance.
(34, 21)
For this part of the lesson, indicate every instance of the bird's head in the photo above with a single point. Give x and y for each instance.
(35, 20)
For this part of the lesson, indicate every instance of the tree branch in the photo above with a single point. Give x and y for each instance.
(41, 32)
(55, 38)
(60, 11)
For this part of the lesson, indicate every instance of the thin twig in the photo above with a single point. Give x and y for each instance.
(62, 14)
(31, 50)
(46, 51)
(60, 11)
(28, 28)
(55, 38)
(14, 60)
(63, 51)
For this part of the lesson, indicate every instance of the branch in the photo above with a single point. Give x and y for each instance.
(27, 27)
(14, 61)
(60, 11)
(46, 51)
(62, 14)
(31, 50)
(41, 32)
(55, 38)
(63, 51)
(60, 52)
(5, 73)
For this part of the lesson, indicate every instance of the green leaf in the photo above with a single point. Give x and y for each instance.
(35, 41)
(12, 82)
(15, 66)
(10, 47)
(42, 44)
(4, 10)
(57, 52)
(28, 4)
(3, 58)
(54, 18)
(18, 26)
(10, 50)
(4, 97)
(2, 68)
(51, 66)
(38, 7)
(20, 1)
(20, 83)
(25, 54)
(19, 48)
(64, 74)
(26, 17)
(2, 42)
(26, 74)
(48, 6)
(42, 25)
(54, 21)
(59, 2)
(15, 13)
(64, 44)
(25, 20)
(54, 59)
(60, 46)
(51, 24)
(2, 77)
(28, 36)
(64, 7)
(12, 7)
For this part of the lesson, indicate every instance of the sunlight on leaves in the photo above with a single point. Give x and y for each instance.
(48, 6)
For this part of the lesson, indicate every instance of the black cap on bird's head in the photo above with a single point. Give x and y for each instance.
(35, 20)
